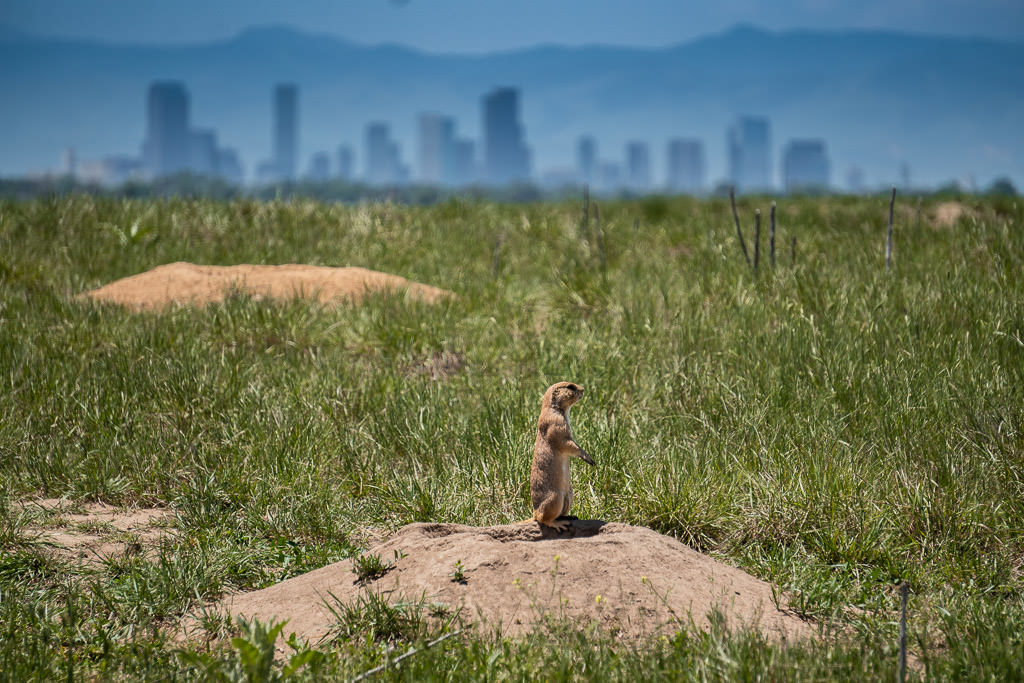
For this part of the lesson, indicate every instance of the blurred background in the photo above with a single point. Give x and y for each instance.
(626, 98)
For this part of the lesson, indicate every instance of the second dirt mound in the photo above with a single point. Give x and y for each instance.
(187, 283)
(633, 581)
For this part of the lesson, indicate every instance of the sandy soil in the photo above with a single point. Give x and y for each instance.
(948, 213)
(98, 531)
(190, 284)
(632, 581)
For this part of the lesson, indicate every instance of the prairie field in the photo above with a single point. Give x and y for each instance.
(824, 423)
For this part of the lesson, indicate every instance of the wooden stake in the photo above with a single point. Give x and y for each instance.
(904, 589)
(888, 240)
(736, 217)
(771, 237)
(757, 237)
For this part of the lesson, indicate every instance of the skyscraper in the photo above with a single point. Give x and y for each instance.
(685, 172)
(437, 149)
(586, 160)
(638, 166)
(286, 129)
(202, 152)
(465, 162)
(750, 154)
(805, 165)
(167, 146)
(319, 167)
(506, 157)
(383, 160)
(346, 163)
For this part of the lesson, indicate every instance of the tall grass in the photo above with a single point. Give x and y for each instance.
(825, 424)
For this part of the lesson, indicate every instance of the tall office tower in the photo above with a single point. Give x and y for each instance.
(286, 129)
(805, 165)
(437, 149)
(319, 167)
(383, 161)
(166, 148)
(609, 176)
(202, 152)
(346, 163)
(228, 165)
(506, 157)
(586, 160)
(638, 166)
(750, 154)
(685, 172)
(465, 170)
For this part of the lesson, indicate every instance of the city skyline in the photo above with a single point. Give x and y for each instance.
(630, 96)
(172, 146)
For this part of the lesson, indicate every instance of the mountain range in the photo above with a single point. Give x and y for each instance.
(949, 108)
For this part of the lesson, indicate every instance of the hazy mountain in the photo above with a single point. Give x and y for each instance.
(947, 106)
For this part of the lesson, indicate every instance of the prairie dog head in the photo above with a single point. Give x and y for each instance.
(562, 395)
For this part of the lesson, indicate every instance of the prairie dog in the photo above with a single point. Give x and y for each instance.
(550, 488)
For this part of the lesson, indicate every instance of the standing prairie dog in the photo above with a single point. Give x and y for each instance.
(550, 488)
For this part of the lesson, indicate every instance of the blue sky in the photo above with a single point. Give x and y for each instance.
(484, 25)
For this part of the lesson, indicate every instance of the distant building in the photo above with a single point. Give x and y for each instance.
(286, 129)
(557, 178)
(111, 171)
(266, 172)
(609, 176)
(436, 149)
(855, 180)
(685, 167)
(228, 166)
(465, 166)
(506, 157)
(586, 160)
(750, 154)
(805, 166)
(346, 163)
(319, 167)
(202, 152)
(638, 166)
(167, 149)
(383, 158)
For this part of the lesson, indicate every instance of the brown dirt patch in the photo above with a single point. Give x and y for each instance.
(632, 581)
(190, 284)
(948, 213)
(92, 533)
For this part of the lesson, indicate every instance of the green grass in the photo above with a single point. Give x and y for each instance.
(826, 425)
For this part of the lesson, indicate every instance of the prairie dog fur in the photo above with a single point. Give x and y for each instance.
(550, 487)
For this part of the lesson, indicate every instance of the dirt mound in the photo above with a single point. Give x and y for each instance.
(94, 532)
(633, 581)
(187, 283)
(948, 213)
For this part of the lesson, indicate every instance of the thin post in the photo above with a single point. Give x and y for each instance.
(636, 225)
(736, 218)
(585, 223)
(904, 589)
(888, 240)
(771, 237)
(757, 237)
(792, 252)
